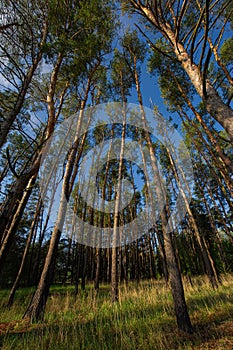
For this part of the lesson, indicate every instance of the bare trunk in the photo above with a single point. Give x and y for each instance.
(10, 206)
(182, 316)
(116, 230)
(116, 233)
(208, 261)
(25, 254)
(98, 268)
(11, 229)
(37, 305)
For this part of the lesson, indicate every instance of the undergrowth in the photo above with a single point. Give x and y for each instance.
(142, 319)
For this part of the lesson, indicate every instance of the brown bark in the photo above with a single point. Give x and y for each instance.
(9, 207)
(208, 261)
(182, 316)
(25, 254)
(13, 224)
(37, 305)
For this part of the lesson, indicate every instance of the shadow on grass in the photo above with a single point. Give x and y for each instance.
(128, 326)
(132, 329)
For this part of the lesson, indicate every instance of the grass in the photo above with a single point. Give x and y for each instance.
(143, 319)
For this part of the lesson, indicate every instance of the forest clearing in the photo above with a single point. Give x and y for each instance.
(143, 319)
(116, 174)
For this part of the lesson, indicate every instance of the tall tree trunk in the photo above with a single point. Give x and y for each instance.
(67, 264)
(151, 257)
(13, 224)
(116, 231)
(10, 206)
(208, 261)
(98, 268)
(25, 254)
(37, 305)
(182, 316)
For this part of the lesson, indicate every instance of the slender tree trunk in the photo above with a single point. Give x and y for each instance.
(181, 311)
(208, 261)
(98, 268)
(36, 308)
(68, 258)
(84, 271)
(25, 254)
(11, 229)
(10, 207)
(151, 258)
(116, 233)
(79, 256)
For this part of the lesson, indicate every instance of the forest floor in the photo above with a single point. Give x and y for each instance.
(143, 319)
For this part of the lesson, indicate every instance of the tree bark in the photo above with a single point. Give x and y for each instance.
(36, 308)
(9, 207)
(182, 316)
(25, 254)
(12, 227)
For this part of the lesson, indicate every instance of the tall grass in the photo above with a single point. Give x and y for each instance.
(143, 319)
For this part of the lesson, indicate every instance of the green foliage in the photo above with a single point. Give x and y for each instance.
(226, 51)
(121, 75)
(133, 47)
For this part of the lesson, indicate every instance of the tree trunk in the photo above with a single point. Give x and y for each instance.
(182, 316)
(11, 229)
(36, 308)
(98, 268)
(25, 254)
(10, 206)
(208, 261)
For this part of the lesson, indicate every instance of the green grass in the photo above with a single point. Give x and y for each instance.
(143, 319)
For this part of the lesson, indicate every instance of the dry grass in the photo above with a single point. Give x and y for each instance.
(143, 319)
